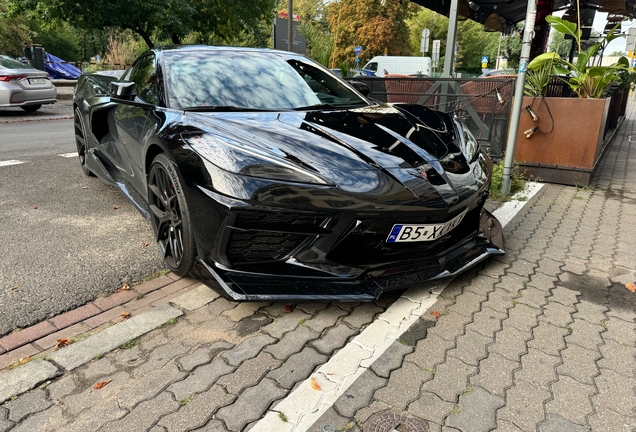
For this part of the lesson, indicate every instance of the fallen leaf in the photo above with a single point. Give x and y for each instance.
(124, 288)
(631, 287)
(287, 308)
(101, 384)
(62, 343)
(124, 316)
(144, 244)
(435, 314)
(314, 384)
(14, 287)
(115, 207)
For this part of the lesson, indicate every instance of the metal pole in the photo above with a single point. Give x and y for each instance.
(451, 38)
(528, 34)
(449, 58)
(290, 28)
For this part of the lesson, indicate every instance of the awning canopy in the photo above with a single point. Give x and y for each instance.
(513, 11)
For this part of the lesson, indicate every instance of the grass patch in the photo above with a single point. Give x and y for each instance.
(456, 410)
(20, 362)
(152, 276)
(429, 370)
(170, 322)
(302, 321)
(282, 417)
(187, 400)
(517, 182)
(130, 344)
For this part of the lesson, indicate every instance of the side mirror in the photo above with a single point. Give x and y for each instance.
(123, 90)
(361, 87)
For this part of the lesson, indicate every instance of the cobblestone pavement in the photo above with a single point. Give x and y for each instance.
(539, 339)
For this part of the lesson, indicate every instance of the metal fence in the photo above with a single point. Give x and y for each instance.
(482, 104)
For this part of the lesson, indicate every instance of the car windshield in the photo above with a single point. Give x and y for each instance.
(251, 81)
(9, 63)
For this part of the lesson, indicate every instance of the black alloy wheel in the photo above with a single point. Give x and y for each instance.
(170, 217)
(31, 108)
(80, 140)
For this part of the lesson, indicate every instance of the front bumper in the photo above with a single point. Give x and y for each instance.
(338, 265)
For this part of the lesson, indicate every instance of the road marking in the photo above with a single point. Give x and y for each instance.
(304, 406)
(11, 162)
(69, 155)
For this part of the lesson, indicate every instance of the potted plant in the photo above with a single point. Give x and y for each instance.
(562, 138)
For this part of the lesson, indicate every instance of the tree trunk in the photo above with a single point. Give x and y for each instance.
(144, 36)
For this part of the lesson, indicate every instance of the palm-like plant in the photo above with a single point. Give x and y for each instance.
(586, 81)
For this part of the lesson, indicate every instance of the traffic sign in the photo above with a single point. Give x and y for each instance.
(426, 33)
(357, 50)
(484, 59)
(436, 48)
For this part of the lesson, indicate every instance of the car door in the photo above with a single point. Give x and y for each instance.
(131, 121)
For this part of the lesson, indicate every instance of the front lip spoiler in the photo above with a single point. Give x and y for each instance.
(365, 288)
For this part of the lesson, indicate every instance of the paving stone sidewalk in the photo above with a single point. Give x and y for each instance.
(539, 339)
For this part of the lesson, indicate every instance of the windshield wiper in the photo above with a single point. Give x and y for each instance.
(330, 106)
(209, 108)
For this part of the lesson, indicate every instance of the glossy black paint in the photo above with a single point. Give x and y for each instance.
(363, 169)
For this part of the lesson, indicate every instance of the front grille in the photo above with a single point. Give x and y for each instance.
(255, 246)
(263, 237)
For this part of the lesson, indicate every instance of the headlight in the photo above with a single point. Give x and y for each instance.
(239, 159)
(469, 145)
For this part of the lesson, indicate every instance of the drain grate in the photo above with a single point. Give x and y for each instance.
(394, 421)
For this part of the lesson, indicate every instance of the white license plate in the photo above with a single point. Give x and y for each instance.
(418, 233)
(37, 81)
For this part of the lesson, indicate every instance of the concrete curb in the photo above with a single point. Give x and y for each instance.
(35, 119)
(27, 377)
(80, 353)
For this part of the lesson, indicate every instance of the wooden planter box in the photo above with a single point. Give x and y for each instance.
(569, 153)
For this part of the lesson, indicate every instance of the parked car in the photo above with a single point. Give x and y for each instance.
(23, 86)
(268, 177)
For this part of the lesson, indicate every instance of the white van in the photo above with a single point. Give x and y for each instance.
(382, 65)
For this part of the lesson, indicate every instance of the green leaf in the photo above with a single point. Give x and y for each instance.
(563, 26)
(611, 35)
(542, 59)
(623, 62)
(597, 71)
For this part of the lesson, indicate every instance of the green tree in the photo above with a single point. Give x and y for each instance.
(157, 19)
(472, 42)
(379, 26)
(14, 32)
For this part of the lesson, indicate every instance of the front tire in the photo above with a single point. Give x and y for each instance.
(80, 140)
(170, 217)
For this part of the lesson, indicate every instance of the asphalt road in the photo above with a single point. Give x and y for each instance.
(62, 242)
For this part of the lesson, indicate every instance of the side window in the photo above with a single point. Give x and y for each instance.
(144, 74)
(372, 66)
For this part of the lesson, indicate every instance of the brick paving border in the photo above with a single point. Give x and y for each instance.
(41, 338)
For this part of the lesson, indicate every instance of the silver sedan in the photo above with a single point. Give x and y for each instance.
(23, 86)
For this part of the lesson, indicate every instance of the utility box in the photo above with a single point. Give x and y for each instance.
(35, 55)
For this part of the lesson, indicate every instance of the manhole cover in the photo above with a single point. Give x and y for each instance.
(394, 421)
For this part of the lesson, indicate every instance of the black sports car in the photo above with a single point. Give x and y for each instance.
(268, 177)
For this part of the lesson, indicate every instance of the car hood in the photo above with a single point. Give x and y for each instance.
(353, 148)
